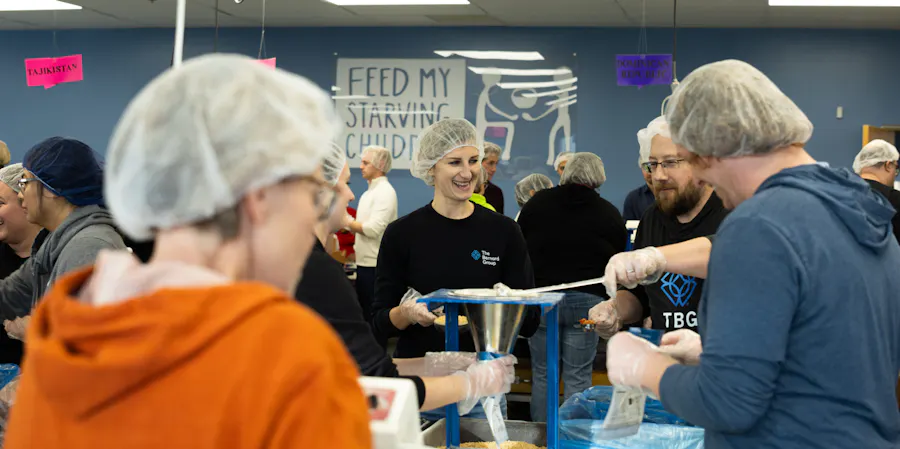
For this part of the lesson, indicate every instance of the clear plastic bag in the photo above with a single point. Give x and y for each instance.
(582, 425)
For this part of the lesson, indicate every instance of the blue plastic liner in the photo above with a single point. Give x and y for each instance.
(581, 424)
(8, 372)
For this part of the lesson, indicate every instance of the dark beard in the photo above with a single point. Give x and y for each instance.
(684, 202)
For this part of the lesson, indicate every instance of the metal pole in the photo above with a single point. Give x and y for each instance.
(553, 377)
(179, 34)
(451, 343)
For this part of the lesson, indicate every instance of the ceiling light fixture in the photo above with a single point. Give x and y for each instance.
(537, 85)
(845, 3)
(519, 72)
(549, 92)
(35, 5)
(501, 55)
(397, 2)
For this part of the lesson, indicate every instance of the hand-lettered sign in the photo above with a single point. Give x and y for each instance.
(643, 70)
(269, 62)
(49, 72)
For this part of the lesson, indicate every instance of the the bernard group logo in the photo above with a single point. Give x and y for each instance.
(485, 257)
(678, 288)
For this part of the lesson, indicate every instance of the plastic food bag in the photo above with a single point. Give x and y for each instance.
(7, 398)
(581, 425)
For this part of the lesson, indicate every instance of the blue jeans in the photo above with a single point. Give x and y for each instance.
(577, 351)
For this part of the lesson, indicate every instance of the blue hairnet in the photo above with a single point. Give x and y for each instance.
(69, 168)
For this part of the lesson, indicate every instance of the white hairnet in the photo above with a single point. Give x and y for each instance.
(562, 157)
(11, 174)
(658, 127)
(196, 139)
(874, 153)
(437, 141)
(534, 181)
(585, 169)
(381, 157)
(333, 164)
(491, 148)
(730, 108)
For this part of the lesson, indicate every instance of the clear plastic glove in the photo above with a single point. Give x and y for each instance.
(683, 345)
(626, 359)
(416, 312)
(487, 378)
(446, 363)
(628, 269)
(346, 221)
(606, 319)
(16, 328)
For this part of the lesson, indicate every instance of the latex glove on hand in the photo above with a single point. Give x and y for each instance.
(439, 364)
(628, 269)
(486, 378)
(626, 359)
(416, 312)
(16, 328)
(683, 345)
(606, 319)
(346, 221)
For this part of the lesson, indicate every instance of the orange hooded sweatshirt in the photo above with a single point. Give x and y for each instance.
(182, 364)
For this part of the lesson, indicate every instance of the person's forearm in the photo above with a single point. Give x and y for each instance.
(628, 307)
(657, 364)
(398, 320)
(689, 258)
(355, 227)
(441, 391)
(411, 367)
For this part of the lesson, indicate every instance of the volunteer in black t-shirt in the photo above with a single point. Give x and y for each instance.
(324, 288)
(877, 164)
(449, 243)
(18, 236)
(685, 208)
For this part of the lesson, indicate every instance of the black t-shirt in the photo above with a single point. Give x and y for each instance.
(571, 233)
(427, 251)
(325, 289)
(893, 197)
(10, 348)
(672, 302)
(494, 197)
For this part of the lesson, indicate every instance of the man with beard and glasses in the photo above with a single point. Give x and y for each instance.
(686, 208)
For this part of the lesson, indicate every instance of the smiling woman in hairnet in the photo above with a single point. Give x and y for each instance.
(449, 243)
(799, 321)
(219, 161)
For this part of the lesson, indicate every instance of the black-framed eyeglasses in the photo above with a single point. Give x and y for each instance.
(24, 182)
(667, 164)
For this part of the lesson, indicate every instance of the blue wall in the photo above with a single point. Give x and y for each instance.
(819, 69)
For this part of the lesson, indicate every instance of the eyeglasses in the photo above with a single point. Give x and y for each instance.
(24, 182)
(667, 164)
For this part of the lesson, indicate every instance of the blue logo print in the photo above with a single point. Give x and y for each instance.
(476, 254)
(678, 288)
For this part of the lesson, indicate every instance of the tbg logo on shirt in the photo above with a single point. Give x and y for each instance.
(678, 288)
(485, 257)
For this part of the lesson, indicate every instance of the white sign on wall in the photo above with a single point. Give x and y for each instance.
(388, 102)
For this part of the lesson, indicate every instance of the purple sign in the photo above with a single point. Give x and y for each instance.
(643, 70)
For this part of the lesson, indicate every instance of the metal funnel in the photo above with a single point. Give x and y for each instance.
(495, 326)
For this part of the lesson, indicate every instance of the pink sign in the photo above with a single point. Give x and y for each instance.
(269, 62)
(49, 72)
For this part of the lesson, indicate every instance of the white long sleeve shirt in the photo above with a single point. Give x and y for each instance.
(377, 209)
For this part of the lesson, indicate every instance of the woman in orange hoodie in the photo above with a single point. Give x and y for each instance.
(201, 348)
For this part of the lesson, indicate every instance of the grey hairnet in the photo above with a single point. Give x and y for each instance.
(381, 157)
(199, 137)
(437, 141)
(562, 157)
(333, 164)
(585, 169)
(491, 148)
(730, 108)
(658, 127)
(874, 153)
(535, 182)
(11, 174)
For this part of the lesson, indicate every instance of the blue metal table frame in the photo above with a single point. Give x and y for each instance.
(548, 303)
